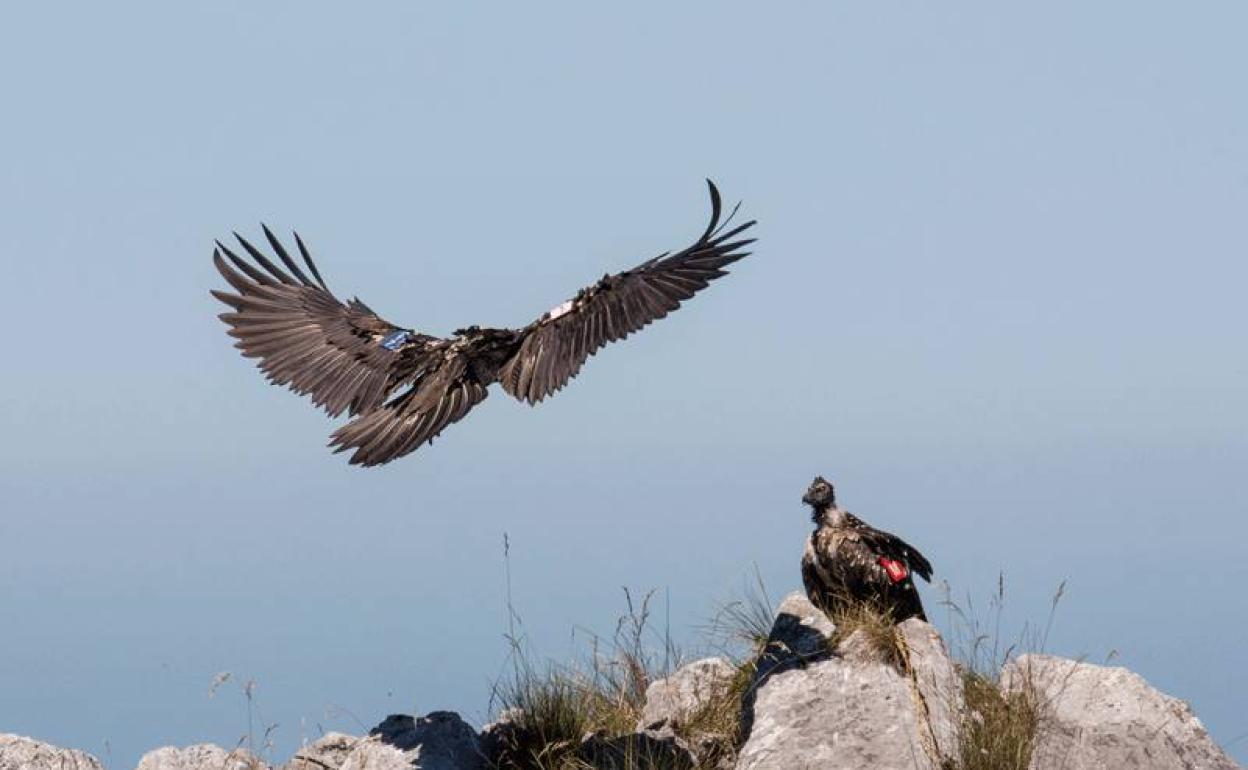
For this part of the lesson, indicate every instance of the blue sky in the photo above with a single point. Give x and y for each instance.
(998, 297)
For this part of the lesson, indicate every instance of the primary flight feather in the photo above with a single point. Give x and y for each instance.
(402, 387)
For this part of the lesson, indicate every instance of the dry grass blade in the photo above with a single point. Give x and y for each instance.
(874, 627)
(1000, 726)
(551, 709)
(1000, 729)
(744, 622)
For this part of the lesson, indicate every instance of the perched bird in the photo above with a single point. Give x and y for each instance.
(403, 387)
(848, 561)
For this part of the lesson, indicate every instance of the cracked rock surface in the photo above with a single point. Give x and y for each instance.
(1110, 718)
(816, 706)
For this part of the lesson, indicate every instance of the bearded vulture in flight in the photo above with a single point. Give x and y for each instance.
(403, 387)
(848, 561)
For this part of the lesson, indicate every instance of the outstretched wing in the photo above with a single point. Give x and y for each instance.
(344, 356)
(439, 398)
(557, 344)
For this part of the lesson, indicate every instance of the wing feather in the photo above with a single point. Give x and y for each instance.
(883, 543)
(416, 417)
(556, 345)
(307, 339)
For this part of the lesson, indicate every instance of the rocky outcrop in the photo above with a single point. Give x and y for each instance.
(813, 705)
(204, 756)
(936, 682)
(372, 754)
(328, 752)
(336, 751)
(675, 698)
(820, 697)
(1109, 718)
(698, 702)
(438, 741)
(507, 743)
(18, 753)
(505, 739)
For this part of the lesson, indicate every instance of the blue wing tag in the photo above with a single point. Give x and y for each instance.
(395, 340)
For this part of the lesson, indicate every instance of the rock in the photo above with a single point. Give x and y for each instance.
(329, 752)
(809, 707)
(437, 741)
(502, 741)
(18, 753)
(938, 682)
(1103, 718)
(204, 756)
(652, 750)
(674, 698)
(373, 754)
(800, 634)
(508, 741)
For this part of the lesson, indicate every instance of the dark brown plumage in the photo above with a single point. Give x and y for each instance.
(403, 387)
(848, 561)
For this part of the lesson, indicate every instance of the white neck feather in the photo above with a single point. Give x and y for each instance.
(833, 516)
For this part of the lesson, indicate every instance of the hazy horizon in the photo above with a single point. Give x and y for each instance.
(998, 298)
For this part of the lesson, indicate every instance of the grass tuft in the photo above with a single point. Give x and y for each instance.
(875, 628)
(741, 627)
(999, 727)
(714, 729)
(549, 710)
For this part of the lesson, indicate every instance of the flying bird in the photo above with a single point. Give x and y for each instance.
(848, 561)
(402, 387)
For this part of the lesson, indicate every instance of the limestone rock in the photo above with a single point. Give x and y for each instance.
(674, 698)
(329, 752)
(1109, 718)
(18, 753)
(938, 683)
(800, 634)
(437, 741)
(373, 754)
(204, 756)
(813, 707)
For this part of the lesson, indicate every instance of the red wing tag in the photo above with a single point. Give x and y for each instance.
(897, 571)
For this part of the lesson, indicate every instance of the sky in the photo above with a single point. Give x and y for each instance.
(998, 298)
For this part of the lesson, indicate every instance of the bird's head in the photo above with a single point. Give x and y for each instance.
(820, 495)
